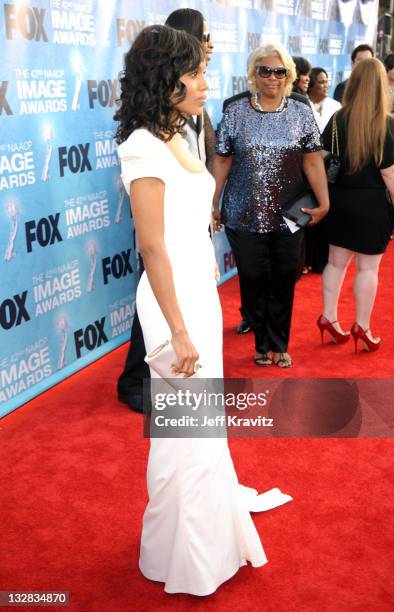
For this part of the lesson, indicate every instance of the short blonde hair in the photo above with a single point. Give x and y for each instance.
(264, 51)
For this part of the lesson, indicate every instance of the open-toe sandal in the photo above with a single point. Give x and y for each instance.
(283, 360)
(263, 360)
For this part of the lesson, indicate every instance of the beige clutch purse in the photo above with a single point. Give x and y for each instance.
(161, 359)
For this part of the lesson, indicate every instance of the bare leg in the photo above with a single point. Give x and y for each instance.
(365, 287)
(333, 277)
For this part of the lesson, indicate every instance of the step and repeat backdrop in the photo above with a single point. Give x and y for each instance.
(68, 268)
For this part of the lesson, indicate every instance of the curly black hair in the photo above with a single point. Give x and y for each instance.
(303, 66)
(154, 64)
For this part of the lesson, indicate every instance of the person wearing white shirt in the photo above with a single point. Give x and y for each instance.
(322, 105)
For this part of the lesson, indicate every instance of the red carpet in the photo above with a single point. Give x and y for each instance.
(73, 489)
(311, 359)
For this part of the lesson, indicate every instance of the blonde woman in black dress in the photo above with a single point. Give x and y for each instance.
(361, 213)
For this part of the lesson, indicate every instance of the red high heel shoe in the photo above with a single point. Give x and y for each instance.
(359, 333)
(325, 325)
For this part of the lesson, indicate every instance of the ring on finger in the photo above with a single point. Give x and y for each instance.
(197, 366)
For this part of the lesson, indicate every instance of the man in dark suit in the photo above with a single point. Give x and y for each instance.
(135, 369)
(360, 53)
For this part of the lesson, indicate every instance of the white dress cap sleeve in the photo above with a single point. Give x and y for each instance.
(142, 155)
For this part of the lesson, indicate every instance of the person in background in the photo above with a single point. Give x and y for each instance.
(360, 218)
(389, 65)
(265, 143)
(200, 136)
(361, 52)
(245, 326)
(322, 105)
(303, 70)
(300, 88)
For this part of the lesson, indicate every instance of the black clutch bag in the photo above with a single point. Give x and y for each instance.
(292, 209)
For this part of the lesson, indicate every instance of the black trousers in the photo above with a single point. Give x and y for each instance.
(267, 268)
(135, 369)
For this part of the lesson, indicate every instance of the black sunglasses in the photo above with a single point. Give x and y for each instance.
(266, 71)
(206, 37)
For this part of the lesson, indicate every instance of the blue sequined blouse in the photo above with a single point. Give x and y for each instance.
(266, 172)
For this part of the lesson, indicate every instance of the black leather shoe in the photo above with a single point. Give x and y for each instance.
(244, 327)
(133, 400)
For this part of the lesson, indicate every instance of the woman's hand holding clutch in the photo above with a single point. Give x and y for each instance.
(317, 214)
(187, 356)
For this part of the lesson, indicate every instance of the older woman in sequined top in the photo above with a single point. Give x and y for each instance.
(266, 144)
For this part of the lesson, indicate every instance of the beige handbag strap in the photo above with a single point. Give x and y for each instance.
(334, 136)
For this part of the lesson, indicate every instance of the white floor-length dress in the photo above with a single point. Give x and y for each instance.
(197, 528)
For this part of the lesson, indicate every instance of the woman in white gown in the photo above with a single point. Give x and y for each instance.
(197, 528)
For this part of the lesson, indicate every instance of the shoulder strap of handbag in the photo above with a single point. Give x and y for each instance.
(334, 136)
